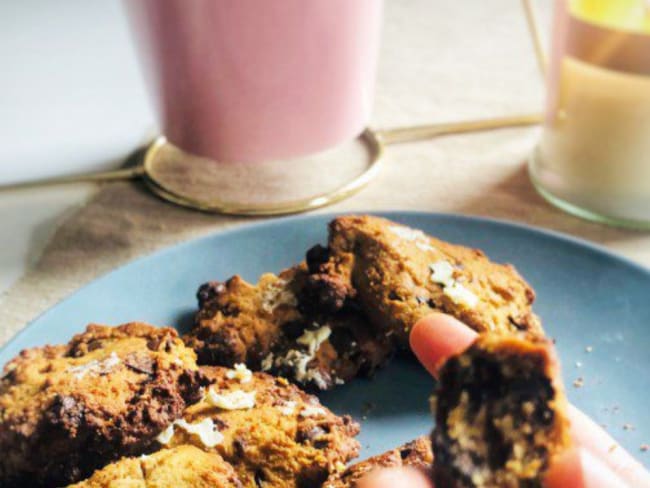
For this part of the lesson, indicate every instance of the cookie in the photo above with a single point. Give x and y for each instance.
(416, 454)
(180, 467)
(67, 410)
(398, 275)
(275, 326)
(274, 434)
(500, 414)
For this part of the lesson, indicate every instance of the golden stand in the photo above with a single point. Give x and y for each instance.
(191, 182)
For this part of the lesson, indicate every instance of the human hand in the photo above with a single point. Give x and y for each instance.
(595, 461)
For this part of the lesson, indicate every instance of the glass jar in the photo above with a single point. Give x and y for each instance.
(593, 159)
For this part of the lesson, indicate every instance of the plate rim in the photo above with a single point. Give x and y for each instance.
(393, 214)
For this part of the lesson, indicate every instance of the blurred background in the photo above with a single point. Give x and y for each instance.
(72, 98)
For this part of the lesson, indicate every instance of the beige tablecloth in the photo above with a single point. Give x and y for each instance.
(440, 61)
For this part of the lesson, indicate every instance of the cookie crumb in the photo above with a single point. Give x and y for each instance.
(367, 408)
(589, 349)
(579, 382)
(578, 364)
(644, 447)
(628, 426)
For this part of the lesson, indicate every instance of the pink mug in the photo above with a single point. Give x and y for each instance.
(251, 80)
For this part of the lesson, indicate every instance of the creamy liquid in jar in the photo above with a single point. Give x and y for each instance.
(595, 148)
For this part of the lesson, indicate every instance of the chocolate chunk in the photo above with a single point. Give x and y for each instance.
(208, 291)
(316, 256)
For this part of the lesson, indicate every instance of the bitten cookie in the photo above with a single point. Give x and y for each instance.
(275, 326)
(68, 410)
(416, 454)
(500, 414)
(274, 434)
(180, 467)
(398, 275)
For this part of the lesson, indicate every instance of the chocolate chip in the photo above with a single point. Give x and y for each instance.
(230, 310)
(293, 329)
(321, 443)
(325, 293)
(516, 324)
(239, 447)
(208, 291)
(404, 453)
(316, 256)
(65, 412)
(343, 341)
(9, 376)
(260, 478)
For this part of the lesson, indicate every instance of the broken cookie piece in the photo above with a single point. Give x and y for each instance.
(181, 467)
(398, 275)
(500, 414)
(67, 410)
(274, 326)
(415, 454)
(274, 434)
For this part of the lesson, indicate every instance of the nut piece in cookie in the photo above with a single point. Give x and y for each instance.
(180, 467)
(416, 454)
(274, 434)
(500, 414)
(275, 326)
(70, 409)
(398, 275)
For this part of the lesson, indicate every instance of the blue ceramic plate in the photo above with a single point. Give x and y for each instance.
(595, 304)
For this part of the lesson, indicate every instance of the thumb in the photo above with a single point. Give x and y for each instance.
(578, 468)
(395, 478)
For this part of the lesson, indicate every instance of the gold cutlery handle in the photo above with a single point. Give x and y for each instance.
(113, 175)
(421, 132)
(386, 136)
(535, 36)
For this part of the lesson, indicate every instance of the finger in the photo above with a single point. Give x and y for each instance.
(590, 436)
(579, 468)
(438, 336)
(395, 478)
